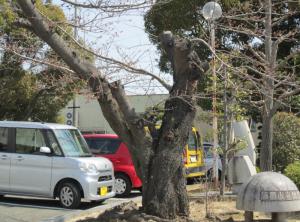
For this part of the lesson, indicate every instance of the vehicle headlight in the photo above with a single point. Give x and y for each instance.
(88, 167)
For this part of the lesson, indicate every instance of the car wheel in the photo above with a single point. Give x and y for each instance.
(69, 195)
(209, 174)
(140, 189)
(122, 185)
(220, 174)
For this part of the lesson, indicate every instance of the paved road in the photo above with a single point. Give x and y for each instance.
(24, 209)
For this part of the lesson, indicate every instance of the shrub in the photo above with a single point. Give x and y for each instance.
(293, 172)
(286, 140)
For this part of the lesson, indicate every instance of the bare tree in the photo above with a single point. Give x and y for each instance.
(157, 159)
(258, 31)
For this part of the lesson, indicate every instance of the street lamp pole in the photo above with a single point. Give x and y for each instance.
(211, 12)
(214, 104)
(75, 112)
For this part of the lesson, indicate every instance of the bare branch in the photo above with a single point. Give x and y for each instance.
(108, 7)
(39, 61)
(248, 32)
(282, 38)
(286, 59)
(280, 99)
(123, 65)
(256, 54)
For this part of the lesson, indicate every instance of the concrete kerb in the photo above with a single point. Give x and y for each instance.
(93, 212)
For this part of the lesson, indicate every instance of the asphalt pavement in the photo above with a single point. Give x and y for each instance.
(27, 209)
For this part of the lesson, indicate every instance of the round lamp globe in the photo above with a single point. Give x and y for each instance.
(212, 11)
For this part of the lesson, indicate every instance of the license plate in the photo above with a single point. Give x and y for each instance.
(193, 159)
(103, 191)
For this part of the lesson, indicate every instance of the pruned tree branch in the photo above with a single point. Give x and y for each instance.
(83, 68)
(22, 23)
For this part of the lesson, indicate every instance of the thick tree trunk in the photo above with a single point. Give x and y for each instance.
(165, 193)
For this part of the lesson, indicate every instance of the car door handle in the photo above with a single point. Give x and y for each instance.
(4, 157)
(20, 158)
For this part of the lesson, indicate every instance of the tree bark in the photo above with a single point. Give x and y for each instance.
(165, 194)
(158, 160)
(268, 93)
(266, 144)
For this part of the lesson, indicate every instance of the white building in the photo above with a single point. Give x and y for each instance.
(90, 117)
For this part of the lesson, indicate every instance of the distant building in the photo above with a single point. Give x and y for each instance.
(91, 119)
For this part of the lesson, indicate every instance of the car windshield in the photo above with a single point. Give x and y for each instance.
(208, 151)
(72, 143)
(103, 145)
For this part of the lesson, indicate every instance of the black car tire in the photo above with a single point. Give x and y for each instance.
(122, 185)
(69, 195)
(140, 189)
(210, 172)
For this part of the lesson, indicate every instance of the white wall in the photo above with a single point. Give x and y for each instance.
(90, 117)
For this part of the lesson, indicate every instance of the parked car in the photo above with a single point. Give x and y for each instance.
(126, 179)
(111, 147)
(51, 160)
(193, 156)
(209, 159)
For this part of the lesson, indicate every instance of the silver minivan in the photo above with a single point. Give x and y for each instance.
(51, 160)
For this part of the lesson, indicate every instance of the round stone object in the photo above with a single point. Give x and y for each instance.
(269, 192)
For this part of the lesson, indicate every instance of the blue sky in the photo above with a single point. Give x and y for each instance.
(120, 37)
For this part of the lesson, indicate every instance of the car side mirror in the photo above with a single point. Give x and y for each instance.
(45, 150)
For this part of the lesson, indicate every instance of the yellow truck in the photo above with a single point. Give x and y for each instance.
(193, 155)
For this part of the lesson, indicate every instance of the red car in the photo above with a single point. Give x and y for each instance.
(111, 147)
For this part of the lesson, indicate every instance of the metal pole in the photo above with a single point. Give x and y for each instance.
(75, 112)
(214, 105)
(225, 148)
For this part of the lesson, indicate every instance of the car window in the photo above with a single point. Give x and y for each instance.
(103, 146)
(3, 139)
(192, 141)
(208, 150)
(72, 143)
(53, 143)
(29, 141)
